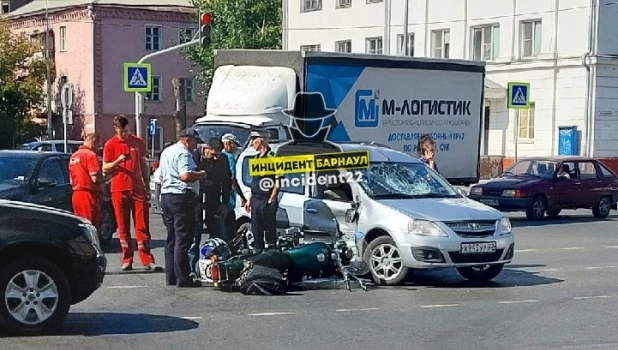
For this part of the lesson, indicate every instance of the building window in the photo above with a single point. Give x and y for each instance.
(526, 123)
(5, 8)
(486, 43)
(153, 38)
(530, 39)
(185, 35)
(310, 48)
(441, 43)
(158, 140)
(401, 45)
(374, 45)
(155, 92)
(188, 89)
(344, 3)
(343, 46)
(63, 38)
(311, 5)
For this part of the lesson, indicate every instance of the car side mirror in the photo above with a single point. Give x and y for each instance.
(45, 183)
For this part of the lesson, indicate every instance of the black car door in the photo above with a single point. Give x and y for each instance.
(51, 186)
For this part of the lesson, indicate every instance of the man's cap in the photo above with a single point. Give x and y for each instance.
(255, 134)
(229, 137)
(191, 133)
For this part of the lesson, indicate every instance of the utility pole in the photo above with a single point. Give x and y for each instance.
(47, 66)
(180, 116)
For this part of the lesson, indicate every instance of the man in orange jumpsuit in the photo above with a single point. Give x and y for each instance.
(85, 174)
(124, 158)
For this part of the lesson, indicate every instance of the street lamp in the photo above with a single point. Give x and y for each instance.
(47, 66)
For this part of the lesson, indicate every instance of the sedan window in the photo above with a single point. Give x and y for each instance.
(15, 171)
(605, 172)
(51, 171)
(587, 170)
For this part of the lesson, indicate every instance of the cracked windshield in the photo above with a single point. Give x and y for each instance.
(182, 174)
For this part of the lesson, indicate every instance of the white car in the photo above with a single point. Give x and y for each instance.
(412, 217)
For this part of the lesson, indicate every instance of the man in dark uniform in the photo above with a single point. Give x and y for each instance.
(263, 202)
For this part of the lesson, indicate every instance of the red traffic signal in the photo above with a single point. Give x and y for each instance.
(206, 17)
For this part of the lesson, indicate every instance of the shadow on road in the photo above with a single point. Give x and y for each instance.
(561, 220)
(114, 245)
(95, 324)
(507, 279)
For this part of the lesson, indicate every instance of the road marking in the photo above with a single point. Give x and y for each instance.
(126, 287)
(589, 346)
(594, 297)
(525, 250)
(367, 309)
(517, 301)
(599, 267)
(546, 270)
(439, 305)
(272, 314)
(612, 247)
(192, 318)
(572, 248)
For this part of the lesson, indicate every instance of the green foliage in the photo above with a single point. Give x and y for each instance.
(238, 24)
(22, 77)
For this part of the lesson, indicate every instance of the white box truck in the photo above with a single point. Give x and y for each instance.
(386, 99)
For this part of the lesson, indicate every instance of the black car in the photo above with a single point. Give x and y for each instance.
(50, 259)
(43, 178)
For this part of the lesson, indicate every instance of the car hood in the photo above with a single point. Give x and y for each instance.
(443, 209)
(38, 209)
(511, 182)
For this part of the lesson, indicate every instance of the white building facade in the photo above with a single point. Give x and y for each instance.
(566, 49)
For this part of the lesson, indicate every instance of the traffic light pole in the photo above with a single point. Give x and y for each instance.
(138, 112)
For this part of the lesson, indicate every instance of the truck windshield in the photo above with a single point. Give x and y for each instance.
(388, 180)
(208, 131)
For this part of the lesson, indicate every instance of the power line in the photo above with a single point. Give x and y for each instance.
(457, 20)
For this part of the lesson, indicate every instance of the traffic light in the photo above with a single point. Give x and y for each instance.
(205, 18)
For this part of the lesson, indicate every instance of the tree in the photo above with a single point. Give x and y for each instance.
(22, 78)
(238, 24)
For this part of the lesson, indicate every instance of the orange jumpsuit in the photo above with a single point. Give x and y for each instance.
(87, 195)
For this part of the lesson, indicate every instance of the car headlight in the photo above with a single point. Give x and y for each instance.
(477, 190)
(511, 193)
(91, 233)
(425, 228)
(504, 226)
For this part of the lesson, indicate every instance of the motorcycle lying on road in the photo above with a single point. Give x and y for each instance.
(294, 264)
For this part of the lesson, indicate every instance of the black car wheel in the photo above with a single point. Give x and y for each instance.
(537, 209)
(35, 296)
(603, 208)
(480, 273)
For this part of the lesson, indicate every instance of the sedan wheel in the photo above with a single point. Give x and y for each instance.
(537, 209)
(603, 208)
(384, 259)
(480, 273)
(35, 295)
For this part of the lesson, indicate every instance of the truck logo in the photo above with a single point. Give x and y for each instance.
(366, 109)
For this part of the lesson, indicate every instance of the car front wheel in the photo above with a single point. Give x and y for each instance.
(35, 296)
(603, 208)
(385, 262)
(480, 273)
(537, 209)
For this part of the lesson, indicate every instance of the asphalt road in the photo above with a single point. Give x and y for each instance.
(561, 292)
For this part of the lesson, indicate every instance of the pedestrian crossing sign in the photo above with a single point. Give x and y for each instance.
(519, 95)
(137, 77)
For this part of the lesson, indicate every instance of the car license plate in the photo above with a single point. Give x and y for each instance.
(490, 202)
(475, 248)
(203, 266)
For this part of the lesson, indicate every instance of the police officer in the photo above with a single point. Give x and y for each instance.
(179, 194)
(263, 202)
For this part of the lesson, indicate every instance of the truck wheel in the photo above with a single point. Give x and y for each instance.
(35, 296)
(603, 208)
(385, 262)
(537, 209)
(480, 273)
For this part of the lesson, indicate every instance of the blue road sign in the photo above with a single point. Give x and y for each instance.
(137, 77)
(152, 127)
(519, 95)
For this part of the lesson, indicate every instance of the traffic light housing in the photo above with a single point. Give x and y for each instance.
(205, 28)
